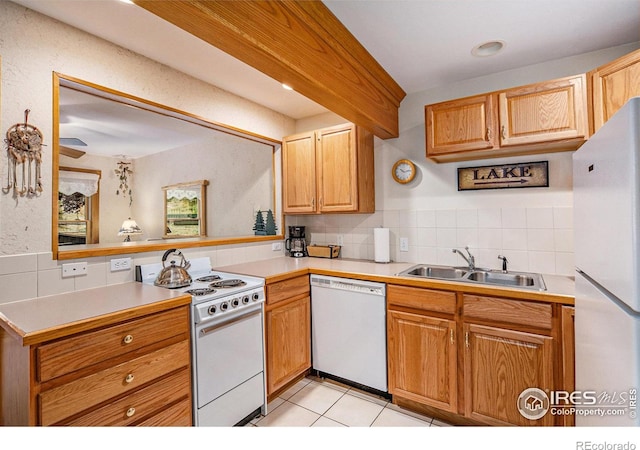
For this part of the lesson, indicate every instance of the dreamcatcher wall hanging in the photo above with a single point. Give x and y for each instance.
(24, 154)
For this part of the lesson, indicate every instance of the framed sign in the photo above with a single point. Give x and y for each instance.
(519, 175)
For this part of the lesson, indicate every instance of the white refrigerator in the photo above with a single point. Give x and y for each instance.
(606, 179)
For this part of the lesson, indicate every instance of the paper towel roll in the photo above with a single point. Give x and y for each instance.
(381, 245)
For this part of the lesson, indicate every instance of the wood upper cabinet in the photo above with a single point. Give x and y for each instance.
(613, 84)
(537, 118)
(422, 348)
(288, 331)
(328, 170)
(461, 125)
(543, 112)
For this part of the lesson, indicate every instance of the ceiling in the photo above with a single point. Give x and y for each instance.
(422, 44)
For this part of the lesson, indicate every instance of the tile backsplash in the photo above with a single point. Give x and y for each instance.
(36, 274)
(533, 239)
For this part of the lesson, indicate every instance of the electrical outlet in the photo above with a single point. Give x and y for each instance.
(340, 239)
(276, 246)
(120, 264)
(404, 244)
(74, 269)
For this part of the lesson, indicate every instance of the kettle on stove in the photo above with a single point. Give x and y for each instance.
(174, 276)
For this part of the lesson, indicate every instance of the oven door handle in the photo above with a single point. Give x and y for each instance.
(211, 329)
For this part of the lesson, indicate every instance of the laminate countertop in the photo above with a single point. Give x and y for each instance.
(560, 289)
(40, 319)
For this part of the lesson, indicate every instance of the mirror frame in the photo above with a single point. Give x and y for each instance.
(91, 250)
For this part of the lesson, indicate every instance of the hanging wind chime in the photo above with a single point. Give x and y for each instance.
(124, 172)
(24, 147)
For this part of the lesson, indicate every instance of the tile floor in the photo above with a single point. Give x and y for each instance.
(317, 402)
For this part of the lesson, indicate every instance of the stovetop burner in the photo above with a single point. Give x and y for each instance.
(227, 283)
(208, 278)
(200, 291)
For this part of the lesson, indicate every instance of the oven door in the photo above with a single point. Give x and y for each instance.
(228, 353)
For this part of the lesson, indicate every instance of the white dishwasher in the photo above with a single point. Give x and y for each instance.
(348, 330)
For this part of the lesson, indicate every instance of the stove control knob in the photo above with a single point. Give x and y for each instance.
(224, 306)
(255, 296)
(245, 299)
(235, 302)
(212, 310)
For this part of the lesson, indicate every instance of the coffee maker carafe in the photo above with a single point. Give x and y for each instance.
(295, 244)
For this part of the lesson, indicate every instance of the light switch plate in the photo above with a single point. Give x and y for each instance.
(74, 269)
(276, 246)
(404, 244)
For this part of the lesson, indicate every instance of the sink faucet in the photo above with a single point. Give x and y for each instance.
(504, 263)
(471, 260)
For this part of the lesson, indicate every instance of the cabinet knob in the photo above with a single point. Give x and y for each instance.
(502, 131)
(488, 134)
(128, 339)
(466, 339)
(451, 336)
(128, 378)
(130, 412)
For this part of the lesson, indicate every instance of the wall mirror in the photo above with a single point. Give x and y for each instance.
(185, 213)
(140, 148)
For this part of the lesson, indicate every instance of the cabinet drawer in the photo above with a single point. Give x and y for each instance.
(68, 399)
(283, 290)
(425, 299)
(140, 404)
(507, 310)
(83, 350)
(178, 415)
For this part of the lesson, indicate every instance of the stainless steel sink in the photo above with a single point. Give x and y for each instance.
(523, 280)
(436, 272)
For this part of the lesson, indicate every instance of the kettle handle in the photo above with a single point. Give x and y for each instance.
(168, 252)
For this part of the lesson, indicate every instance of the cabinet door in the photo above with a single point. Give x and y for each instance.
(568, 355)
(422, 359)
(299, 174)
(544, 112)
(461, 125)
(499, 365)
(613, 85)
(288, 342)
(337, 169)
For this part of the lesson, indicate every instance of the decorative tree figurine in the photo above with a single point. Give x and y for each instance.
(259, 227)
(271, 224)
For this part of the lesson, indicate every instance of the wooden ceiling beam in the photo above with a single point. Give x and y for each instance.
(300, 43)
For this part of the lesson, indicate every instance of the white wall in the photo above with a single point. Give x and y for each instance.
(532, 227)
(32, 46)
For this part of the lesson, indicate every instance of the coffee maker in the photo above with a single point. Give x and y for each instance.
(295, 244)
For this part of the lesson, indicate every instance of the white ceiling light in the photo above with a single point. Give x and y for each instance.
(488, 48)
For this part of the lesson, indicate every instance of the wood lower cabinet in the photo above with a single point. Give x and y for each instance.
(328, 171)
(613, 84)
(543, 117)
(499, 364)
(288, 330)
(135, 372)
(423, 363)
(421, 342)
(467, 358)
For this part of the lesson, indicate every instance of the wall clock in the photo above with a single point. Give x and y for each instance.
(403, 171)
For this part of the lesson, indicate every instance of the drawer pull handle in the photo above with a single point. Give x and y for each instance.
(128, 339)
(131, 412)
(128, 378)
